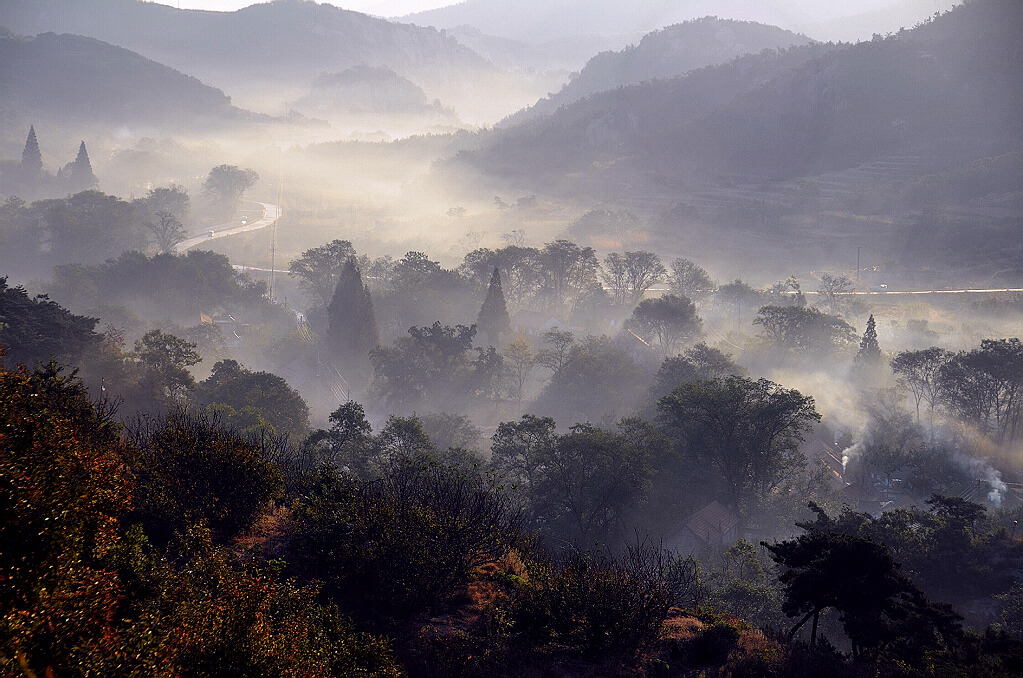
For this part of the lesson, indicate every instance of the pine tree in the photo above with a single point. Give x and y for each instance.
(493, 318)
(353, 326)
(77, 176)
(31, 158)
(869, 353)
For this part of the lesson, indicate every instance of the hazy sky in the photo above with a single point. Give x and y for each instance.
(377, 7)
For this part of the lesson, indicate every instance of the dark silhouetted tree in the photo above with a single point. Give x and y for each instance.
(435, 361)
(747, 431)
(855, 576)
(918, 371)
(493, 317)
(225, 185)
(671, 319)
(588, 482)
(867, 363)
(699, 363)
(163, 213)
(520, 448)
(164, 361)
(688, 279)
(985, 386)
(31, 168)
(353, 326)
(77, 176)
(804, 330)
(597, 379)
(869, 351)
(269, 395)
(37, 330)
(319, 268)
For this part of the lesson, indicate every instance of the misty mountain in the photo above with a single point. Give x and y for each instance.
(365, 90)
(76, 80)
(668, 53)
(544, 21)
(947, 85)
(285, 43)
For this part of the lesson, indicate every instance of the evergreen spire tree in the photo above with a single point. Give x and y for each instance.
(353, 327)
(869, 353)
(31, 158)
(493, 318)
(78, 175)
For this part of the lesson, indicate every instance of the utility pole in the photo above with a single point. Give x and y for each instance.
(857, 264)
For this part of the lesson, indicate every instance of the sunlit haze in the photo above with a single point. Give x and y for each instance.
(374, 7)
(519, 338)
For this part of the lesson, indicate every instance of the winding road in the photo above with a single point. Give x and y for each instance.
(271, 213)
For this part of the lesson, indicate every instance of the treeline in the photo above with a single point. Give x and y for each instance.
(154, 374)
(176, 547)
(89, 226)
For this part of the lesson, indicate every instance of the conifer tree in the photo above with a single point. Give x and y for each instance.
(77, 176)
(31, 158)
(870, 352)
(493, 318)
(353, 327)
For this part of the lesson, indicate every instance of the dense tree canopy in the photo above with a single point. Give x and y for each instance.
(177, 286)
(698, 363)
(669, 319)
(319, 269)
(748, 431)
(805, 331)
(985, 386)
(164, 360)
(63, 488)
(36, 330)
(435, 361)
(225, 185)
(268, 395)
(597, 379)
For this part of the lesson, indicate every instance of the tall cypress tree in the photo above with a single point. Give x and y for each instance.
(353, 326)
(493, 318)
(870, 352)
(77, 176)
(31, 158)
(867, 367)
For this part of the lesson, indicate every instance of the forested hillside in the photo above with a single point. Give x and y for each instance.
(109, 86)
(800, 111)
(663, 54)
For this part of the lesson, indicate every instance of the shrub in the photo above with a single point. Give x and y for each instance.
(401, 545)
(601, 604)
(63, 486)
(191, 470)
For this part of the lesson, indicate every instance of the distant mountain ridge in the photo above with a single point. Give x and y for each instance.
(285, 43)
(667, 53)
(366, 89)
(541, 21)
(80, 80)
(948, 85)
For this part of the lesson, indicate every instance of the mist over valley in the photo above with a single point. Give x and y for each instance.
(511, 338)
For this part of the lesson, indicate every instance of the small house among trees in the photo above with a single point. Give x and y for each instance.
(713, 525)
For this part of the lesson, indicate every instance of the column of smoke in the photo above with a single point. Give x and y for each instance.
(959, 442)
